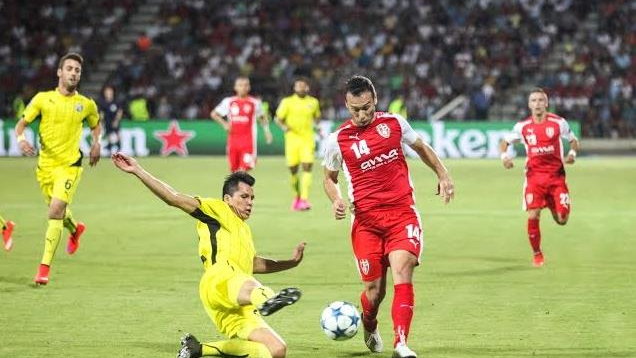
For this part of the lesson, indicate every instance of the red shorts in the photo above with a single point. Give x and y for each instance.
(375, 234)
(547, 191)
(241, 157)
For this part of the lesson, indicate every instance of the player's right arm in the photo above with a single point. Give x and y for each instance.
(281, 115)
(161, 190)
(218, 114)
(332, 162)
(30, 113)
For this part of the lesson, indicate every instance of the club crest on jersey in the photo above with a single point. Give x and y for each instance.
(234, 109)
(549, 132)
(529, 198)
(364, 266)
(79, 107)
(383, 130)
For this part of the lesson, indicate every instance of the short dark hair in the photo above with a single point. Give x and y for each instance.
(357, 85)
(71, 56)
(538, 90)
(302, 79)
(230, 185)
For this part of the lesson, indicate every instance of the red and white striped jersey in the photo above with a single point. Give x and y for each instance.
(373, 162)
(242, 114)
(543, 143)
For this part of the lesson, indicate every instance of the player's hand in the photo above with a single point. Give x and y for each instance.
(124, 162)
(507, 161)
(227, 126)
(570, 159)
(298, 253)
(268, 137)
(339, 209)
(26, 148)
(446, 188)
(96, 151)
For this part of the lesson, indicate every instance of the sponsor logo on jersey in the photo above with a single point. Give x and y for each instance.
(542, 150)
(364, 266)
(354, 137)
(79, 107)
(383, 130)
(379, 160)
(549, 132)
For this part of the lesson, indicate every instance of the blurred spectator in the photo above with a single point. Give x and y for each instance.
(138, 109)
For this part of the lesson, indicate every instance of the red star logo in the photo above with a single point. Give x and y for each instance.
(174, 139)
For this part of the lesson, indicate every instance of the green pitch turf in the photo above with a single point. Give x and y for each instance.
(131, 289)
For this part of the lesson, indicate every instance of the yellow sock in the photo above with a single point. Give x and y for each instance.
(69, 222)
(294, 185)
(52, 239)
(2, 222)
(235, 348)
(305, 183)
(261, 294)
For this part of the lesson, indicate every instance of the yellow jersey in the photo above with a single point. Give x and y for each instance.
(223, 236)
(61, 119)
(298, 114)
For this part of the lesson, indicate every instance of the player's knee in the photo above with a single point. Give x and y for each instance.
(562, 219)
(278, 350)
(375, 293)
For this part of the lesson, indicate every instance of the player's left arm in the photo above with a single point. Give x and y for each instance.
(96, 133)
(427, 154)
(445, 186)
(263, 118)
(566, 133)
(265, 265)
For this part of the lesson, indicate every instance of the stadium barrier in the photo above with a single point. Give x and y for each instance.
(165, 137)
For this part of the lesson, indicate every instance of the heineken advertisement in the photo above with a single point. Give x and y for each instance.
(182, 138)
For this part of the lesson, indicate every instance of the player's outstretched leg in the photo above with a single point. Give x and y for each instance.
(372, 338)
(285, 297)
(190, 347)
(7, 230)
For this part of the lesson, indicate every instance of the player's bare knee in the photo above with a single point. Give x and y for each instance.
(57, 209)
(561, 220)
(375, 292)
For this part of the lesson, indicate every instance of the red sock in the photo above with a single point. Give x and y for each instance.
(534, 234)
(369, 313)
(402, 311)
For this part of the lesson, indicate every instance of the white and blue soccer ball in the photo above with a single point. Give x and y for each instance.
(340, 320)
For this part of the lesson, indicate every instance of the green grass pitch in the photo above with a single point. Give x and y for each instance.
(131, 289)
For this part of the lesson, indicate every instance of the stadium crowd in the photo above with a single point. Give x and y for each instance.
(34, 35)
(427, 51)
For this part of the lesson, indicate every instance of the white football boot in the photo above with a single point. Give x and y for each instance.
(402, 351)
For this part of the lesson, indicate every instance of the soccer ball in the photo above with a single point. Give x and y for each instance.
(340, 320)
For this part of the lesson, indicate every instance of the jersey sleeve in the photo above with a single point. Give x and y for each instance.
(92, 118)
(332, 155)
(281, 111)
(223, 108)
(33, 109)
(409, 135)
(210, 210)
(515, 135)
(566, 132)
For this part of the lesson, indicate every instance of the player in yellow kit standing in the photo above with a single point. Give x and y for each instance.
(232, 297)
(62, 113)
(297, 115)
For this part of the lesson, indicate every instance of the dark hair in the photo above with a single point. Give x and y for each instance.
(230, 185)
(538, 90)
(357, 85)
(71, 56)
(302, 79)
